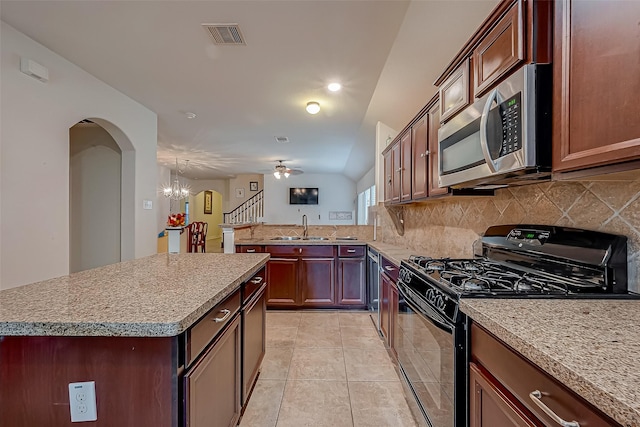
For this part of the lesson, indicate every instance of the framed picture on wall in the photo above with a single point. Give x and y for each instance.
(208, 202)
(253, 185)
(240, 193)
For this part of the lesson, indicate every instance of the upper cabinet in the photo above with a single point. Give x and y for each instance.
(596, 85)
(454, 92)
(516, 32)
(499, 51)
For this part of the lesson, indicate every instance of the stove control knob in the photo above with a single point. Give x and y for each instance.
(440, 302)
(431, 295)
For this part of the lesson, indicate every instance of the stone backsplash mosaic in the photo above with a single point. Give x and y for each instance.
(448, 227)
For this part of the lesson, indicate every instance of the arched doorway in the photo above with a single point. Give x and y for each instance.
(99, 167)
(197, 212)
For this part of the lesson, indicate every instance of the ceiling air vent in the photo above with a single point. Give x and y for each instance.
(225, 34)
(282, 139)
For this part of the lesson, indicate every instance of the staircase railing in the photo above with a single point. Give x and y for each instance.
(247, 212)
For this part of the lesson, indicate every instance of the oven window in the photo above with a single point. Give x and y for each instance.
(426, 354)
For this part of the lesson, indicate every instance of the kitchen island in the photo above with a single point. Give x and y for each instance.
(126, 326)
(590, 346)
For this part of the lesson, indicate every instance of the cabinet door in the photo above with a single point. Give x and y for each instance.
(385, 294)
(434, 153)
(317, 277)
(393, 319)
(351, 282)
(499, 51)
(212, 387)
(490, 406)
(397, 170)
(454, 92)
(596, 83)
(388, 176)
(405, 166)
(253, 337)
(420, 158)
(282, 282)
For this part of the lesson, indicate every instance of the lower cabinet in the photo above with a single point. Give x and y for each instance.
(506, 389)
(352, 274)
(212, 385)
(388, 303)
(282, 276)
(317, 282)
(253, 339)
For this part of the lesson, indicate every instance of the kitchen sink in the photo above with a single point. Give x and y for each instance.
(347, 238)
(316, 238)
(286, 238)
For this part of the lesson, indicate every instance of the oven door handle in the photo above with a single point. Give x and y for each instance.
(440, 325)
(484, 142)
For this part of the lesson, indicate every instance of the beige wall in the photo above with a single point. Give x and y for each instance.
(213, 219)
(449, 227)
(242, 182)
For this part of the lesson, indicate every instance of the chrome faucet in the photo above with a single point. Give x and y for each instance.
(304, 227)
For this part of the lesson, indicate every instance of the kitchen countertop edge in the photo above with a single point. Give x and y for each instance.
(551, 362)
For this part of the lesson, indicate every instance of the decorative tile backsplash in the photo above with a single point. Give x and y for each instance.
(448, 227)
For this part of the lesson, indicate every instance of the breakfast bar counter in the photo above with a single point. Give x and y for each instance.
(157, 296)
(590, 346)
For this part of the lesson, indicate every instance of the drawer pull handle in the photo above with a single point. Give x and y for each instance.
(256, 280)
(226, 312)
(389, 268)
(300, 250)
(351, 251)
(536, 396)
(250, 251)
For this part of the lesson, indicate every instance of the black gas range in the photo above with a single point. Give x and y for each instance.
(517, 261)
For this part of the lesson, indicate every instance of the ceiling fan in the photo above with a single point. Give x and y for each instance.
(282, 170)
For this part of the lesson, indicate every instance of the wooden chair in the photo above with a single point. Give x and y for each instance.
(197, 236)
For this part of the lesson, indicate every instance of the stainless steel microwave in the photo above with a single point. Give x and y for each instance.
(503, 138)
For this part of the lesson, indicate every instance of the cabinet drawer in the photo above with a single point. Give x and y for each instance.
(301, 250)
(499, 51)
(521, 377)
(205, 329)
(248, 249)
(389, 268)
(350, 251)
(253, 284)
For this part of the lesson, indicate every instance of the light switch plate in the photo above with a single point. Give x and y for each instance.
(82, 401)
(147, 204)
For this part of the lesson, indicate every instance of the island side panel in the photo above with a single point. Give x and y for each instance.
(136, 379)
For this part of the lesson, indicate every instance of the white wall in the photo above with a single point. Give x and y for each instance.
(367, 180)
(242, 181)
(36, 118)
(335, 193)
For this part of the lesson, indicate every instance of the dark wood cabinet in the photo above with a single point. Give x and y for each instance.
(301, 275)
(388, 176)
(317, 280)
(282, 279)
(397, 170)
(212, 385)
(502, 382)
(385, 298)
(454, 92)
(405, 167)
(490, 405)
(388, 302)
(596, 85)
(420, 158)
(352, 276)
(500, 50)
(253, 339)
(434, 154)
(394, 337)
(248, 249)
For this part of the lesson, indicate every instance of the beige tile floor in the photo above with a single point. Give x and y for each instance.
(326, 368)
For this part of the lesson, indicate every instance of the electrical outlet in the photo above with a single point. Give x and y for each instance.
(82, 401)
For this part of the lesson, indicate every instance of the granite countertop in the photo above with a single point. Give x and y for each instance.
(157, 296)
(591, 346)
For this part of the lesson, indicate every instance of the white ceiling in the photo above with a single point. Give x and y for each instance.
(386, 54)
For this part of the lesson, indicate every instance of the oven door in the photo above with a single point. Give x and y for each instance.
(432, 359)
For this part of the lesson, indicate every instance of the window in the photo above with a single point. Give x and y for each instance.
(365, 199)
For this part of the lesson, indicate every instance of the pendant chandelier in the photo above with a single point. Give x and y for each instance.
(175, 190)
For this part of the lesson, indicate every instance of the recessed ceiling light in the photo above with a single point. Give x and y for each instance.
(313, 107)
(334, 87)
(190, 115)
